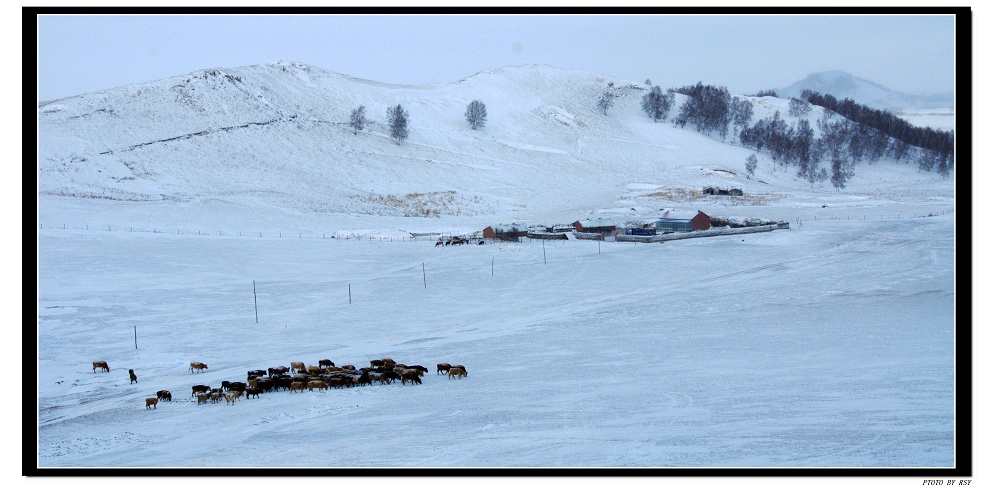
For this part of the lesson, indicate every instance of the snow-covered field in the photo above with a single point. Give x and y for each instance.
(828, 345)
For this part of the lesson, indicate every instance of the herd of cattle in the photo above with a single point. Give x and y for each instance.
(299, 377)
(455, 240)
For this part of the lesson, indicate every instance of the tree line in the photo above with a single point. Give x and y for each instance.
(942, 143)
(860, 134)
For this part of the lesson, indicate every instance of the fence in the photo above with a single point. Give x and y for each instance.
(231, 233)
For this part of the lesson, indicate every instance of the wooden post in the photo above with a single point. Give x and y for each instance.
(256, 296)
(423, 272)
(349, 294)
(136, 336)
(543, 256)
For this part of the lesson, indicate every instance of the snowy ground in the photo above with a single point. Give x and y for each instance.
(827, 345)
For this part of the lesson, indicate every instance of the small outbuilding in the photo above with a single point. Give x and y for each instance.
(510, 231)
(676, 221)
(598, 225)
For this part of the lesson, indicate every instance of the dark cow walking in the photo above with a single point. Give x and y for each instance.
(134, 379)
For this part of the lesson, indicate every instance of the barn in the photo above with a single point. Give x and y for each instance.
(676, 221)
(510, 231)
(598, 225)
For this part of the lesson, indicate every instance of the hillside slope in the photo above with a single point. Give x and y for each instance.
(275, 138)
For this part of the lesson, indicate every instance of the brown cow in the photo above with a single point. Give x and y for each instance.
(444, 367)
(104, 368)
(411, 375)
(199, 366)
(202, 397)
(320, 385)
(297, 367)
(151, 402)
(314, 370)
(297, 386)
(456, 371)
(163, 395)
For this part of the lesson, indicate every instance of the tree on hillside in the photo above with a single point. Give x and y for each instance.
(606, 101)
(741, 113)
(802, 148)
(357, 121)
(799, 108)
(656, 104)
(707, 108)
(396, 118)
(841, 171)
(751, 163)
(475, 114)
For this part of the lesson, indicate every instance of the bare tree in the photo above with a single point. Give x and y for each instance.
(357, 121)
(606, 101)
(475, 114)
(656, 104)
(799, 107)
(841, 171)
(396, 118)
(741, 113)
(751, 163)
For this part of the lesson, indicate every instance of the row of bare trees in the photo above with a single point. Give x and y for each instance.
(397, 119)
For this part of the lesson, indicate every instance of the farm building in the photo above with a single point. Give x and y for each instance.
(675, 221)
(511, 231)
(598, 225)
(715, 191)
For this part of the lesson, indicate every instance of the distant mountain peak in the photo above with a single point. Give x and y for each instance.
(843, 85)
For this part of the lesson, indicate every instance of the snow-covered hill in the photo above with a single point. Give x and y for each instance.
(276, 137)
(843, 85)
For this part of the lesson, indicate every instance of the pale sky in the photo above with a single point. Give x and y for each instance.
(911, 54)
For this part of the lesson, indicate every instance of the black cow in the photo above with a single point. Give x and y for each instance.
(233, 386)
(283, 382)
